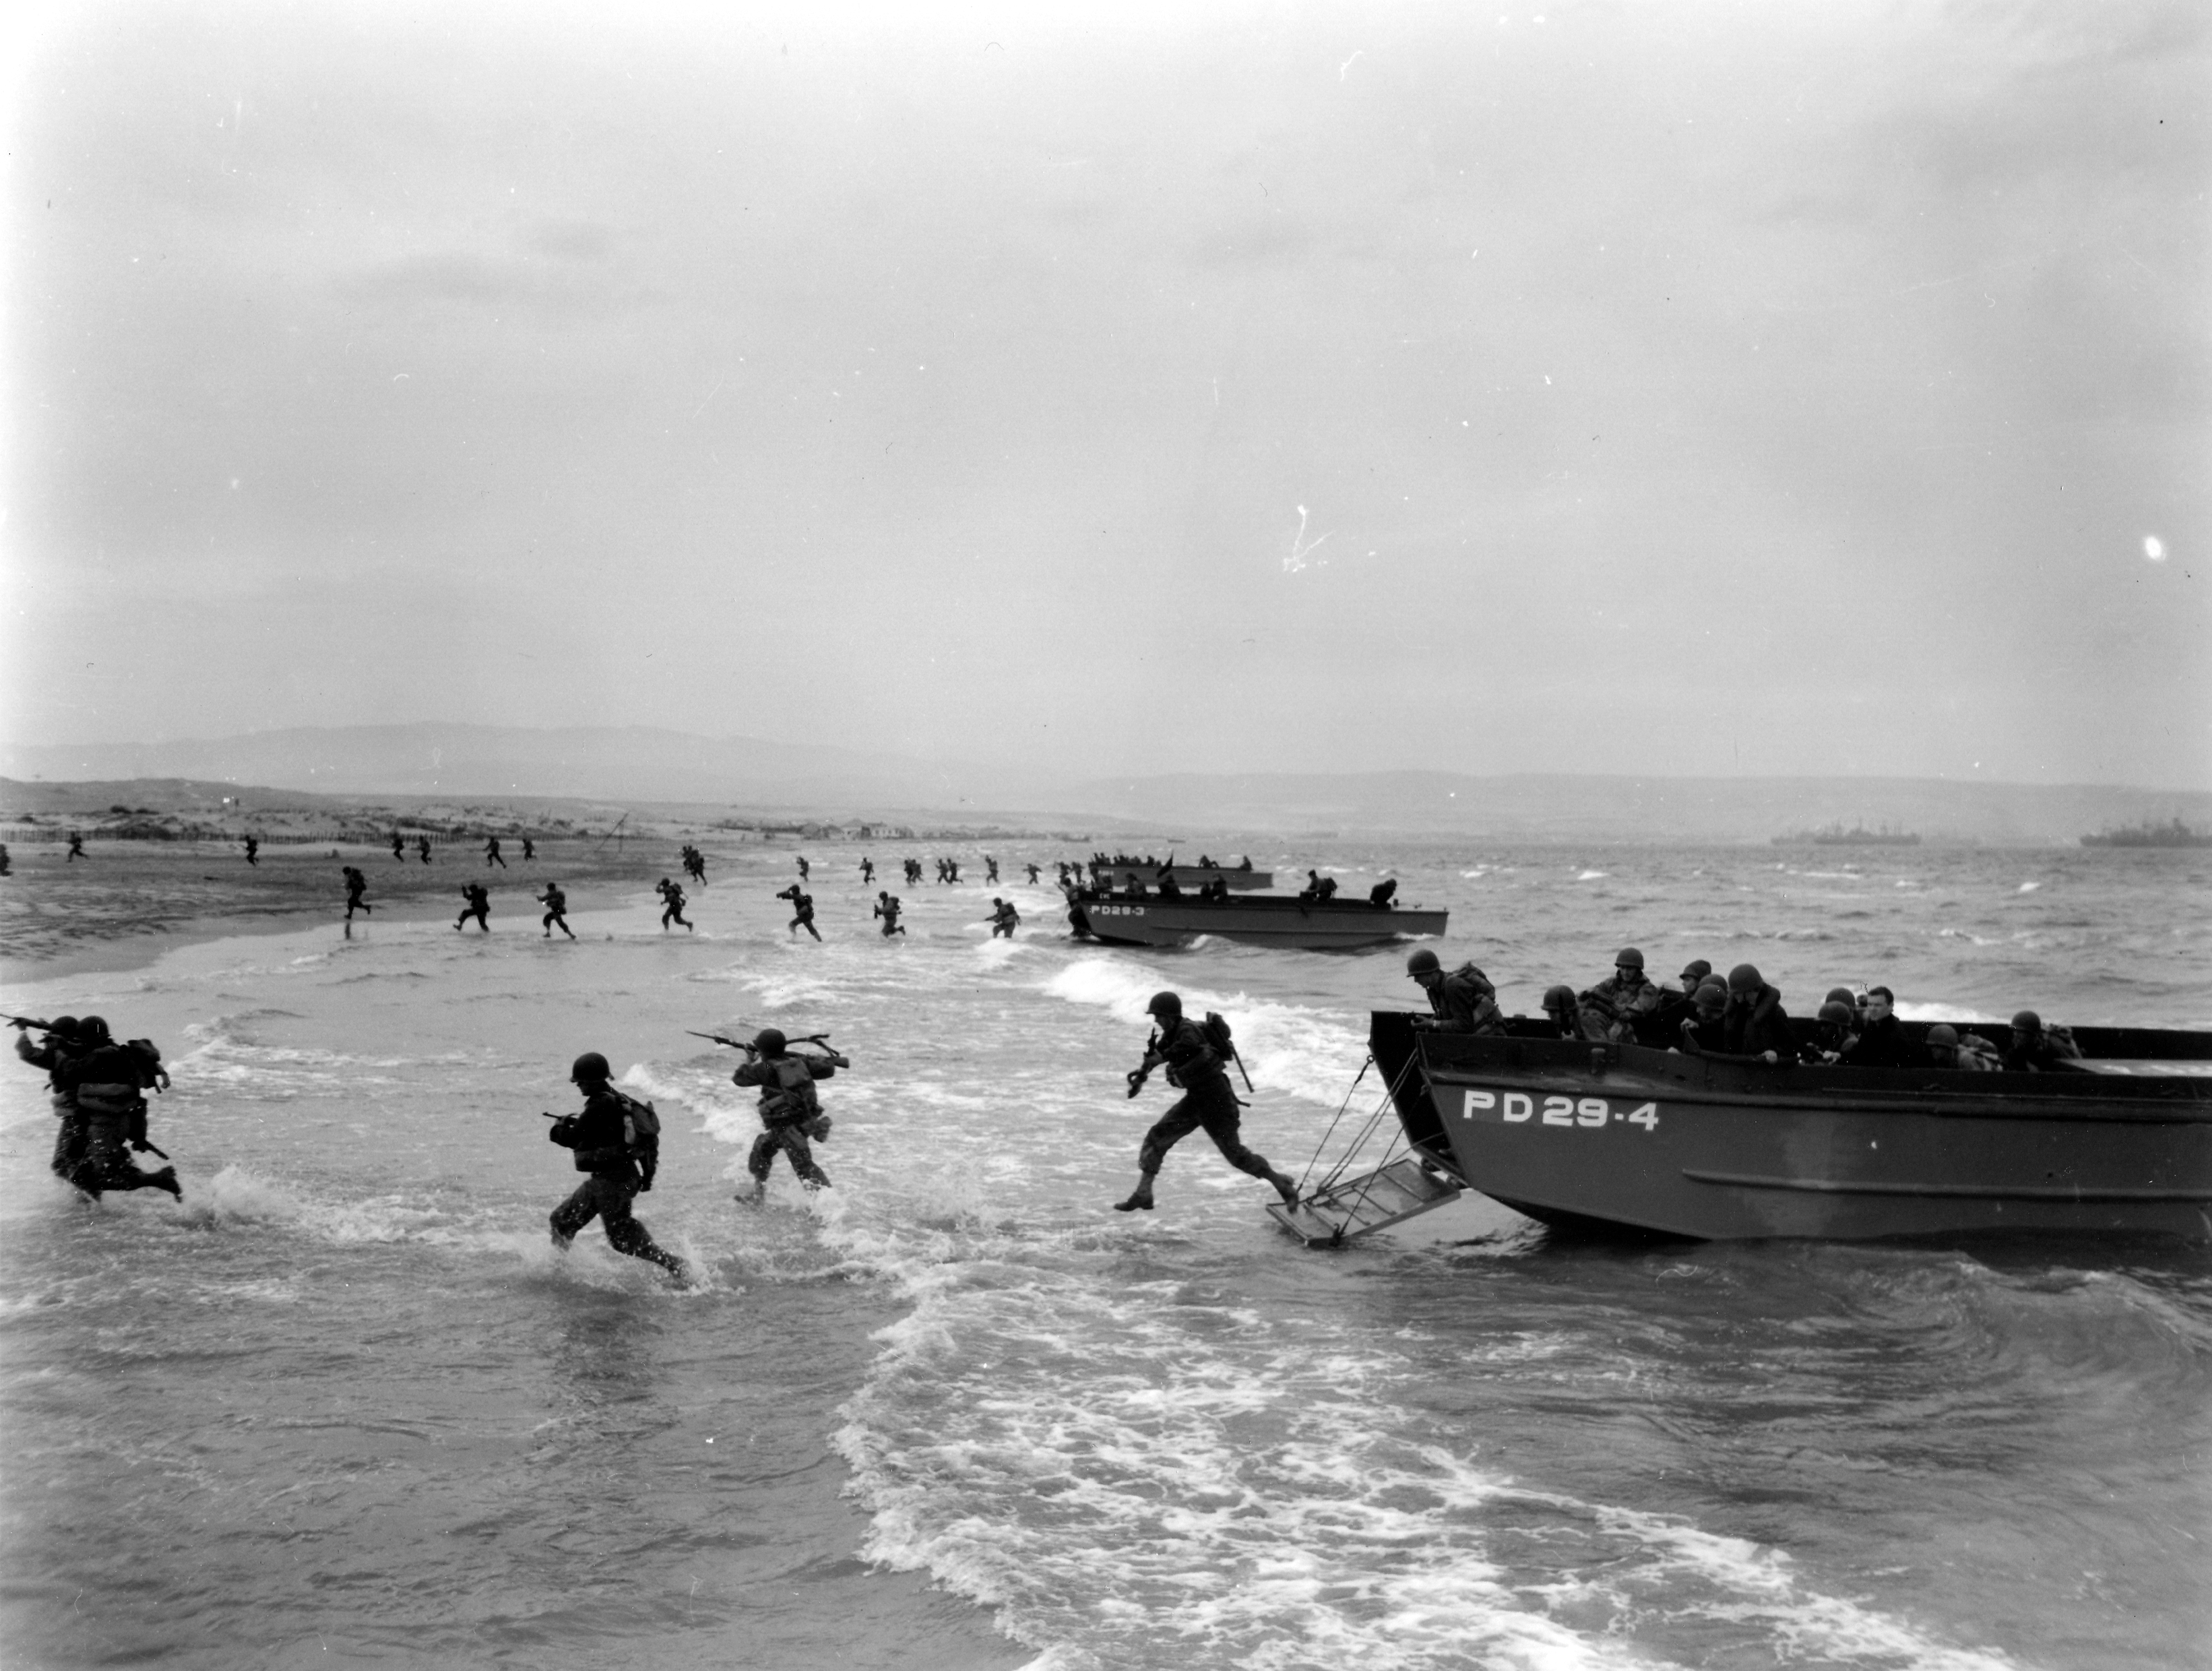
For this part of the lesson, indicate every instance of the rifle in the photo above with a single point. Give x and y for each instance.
(1237, 1056)
(26, 1021)
(752, 1049)
(1143, 1071)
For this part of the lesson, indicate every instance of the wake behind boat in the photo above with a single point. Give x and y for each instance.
(1625, 1138)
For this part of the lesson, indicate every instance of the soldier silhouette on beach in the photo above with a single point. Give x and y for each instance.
(672, 901)
(475, 902)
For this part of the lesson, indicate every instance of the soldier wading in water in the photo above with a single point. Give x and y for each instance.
(790, 1111)
(617, 1140)
(1193, 1061)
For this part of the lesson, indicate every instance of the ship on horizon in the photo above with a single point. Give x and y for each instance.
(2175, 833)
(1858, 836)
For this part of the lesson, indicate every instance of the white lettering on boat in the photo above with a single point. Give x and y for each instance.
(1585, 1113)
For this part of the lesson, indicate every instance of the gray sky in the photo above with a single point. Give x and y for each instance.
(1656, 386)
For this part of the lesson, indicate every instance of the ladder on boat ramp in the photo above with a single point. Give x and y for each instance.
(1345, 1209)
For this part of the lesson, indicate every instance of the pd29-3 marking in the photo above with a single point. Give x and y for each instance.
(1588, 1112)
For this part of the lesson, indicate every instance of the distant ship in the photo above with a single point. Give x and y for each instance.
(1858, 836)
(2148, 834)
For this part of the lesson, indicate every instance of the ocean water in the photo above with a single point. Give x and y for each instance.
(347, 1405)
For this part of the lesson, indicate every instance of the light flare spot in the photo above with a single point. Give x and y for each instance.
(2154, 548)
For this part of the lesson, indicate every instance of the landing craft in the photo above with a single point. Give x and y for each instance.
(1279, 920)
(1625, 1138)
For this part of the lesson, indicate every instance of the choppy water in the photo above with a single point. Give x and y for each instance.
(348, 1404)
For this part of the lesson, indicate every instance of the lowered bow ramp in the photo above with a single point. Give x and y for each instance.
(1345, 1211)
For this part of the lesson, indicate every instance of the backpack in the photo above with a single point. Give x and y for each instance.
(1215, 1031)
(640, 1135)
(793, 1099)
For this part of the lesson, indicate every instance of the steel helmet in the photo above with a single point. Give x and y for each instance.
(1695, 973)
(770, 1041)
(94, 1029)
(1744, 977)
(590, 1069)
(1841, 995)
(1164, 1003)
(1423, 962)
(2025, 1021)
(64, 1026)
(1711, 993)
(1942, 1035)
(1840, 1015)
(1559, 997)
(1630, 958)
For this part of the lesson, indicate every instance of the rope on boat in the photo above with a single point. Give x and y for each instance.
(1331, 1131)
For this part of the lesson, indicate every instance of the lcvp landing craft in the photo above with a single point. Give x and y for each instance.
(1300, 923)
(1624, 1138)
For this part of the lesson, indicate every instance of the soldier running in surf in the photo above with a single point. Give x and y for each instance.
(802, 907)
(356, 884)
(672, 900)
(422, 848)
(616, 1140)
(529, 850)
(990, 870)
(1032, 869)
(1194, 1064)
(98, 1088)
(1004, 919)
(790, 1111)
(867, 873)
(557, 910)
(399, 848)
(475, 902)
(802, 867)
(887, 907)
(491, 853)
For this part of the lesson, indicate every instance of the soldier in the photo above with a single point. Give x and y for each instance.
(887, 907)
(1207, 1101)
(557, 910)
(1032, 869)
(1704, 1032)
(1004, 919)
(60, 1044)
(475, 902)
(1612, 1008)
(529, 850)
(356, 884)
(990, 871)
(672, 901)
(1562, 1012)
(802, 867)
(1972, 1053)
(867, 872)
(617, 1141)
(2036, 1048)
(6, 869)
(399, 848)
(77, 848)
(106, 1081)
(253, 850)
(1756, 1024)
(422, 848)
(790, 1111)
(491, 853)
(1463, 1001)
(802, 908)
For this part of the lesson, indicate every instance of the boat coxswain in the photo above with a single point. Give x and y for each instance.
(1463, 1001)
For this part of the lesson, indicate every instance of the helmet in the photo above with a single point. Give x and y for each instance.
(1940, 1035)
(1841, 995)
(1695, 973)
(94, 1029)
(1423, 962)
(1744, 977)
(1840, 1015)
(1559, 997)
(1711, 994)
(1628, 958)
(64, 1026)
(1164, 1003)
(2025, 1021)
(590, 1069)
(770, 1041)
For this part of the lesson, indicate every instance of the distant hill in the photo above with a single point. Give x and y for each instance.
(639, 765)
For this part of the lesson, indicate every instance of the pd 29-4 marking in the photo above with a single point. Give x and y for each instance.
(1588, 1113)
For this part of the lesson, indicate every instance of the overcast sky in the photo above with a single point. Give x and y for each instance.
(1676, 387)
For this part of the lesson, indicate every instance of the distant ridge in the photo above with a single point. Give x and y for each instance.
(626, 764)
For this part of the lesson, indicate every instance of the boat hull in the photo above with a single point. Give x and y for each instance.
(1647, 1141)
(1290, 924)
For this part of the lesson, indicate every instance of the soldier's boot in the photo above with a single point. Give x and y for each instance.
(166, 1179)
(1285, 1186)
(1140, 1198)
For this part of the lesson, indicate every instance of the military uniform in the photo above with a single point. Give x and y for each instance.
(69, 1139)
(1208, 1103)
(790, 1114)
(604, 1138)
(1465, 1002)
(1613, 1006)
(106, 1086)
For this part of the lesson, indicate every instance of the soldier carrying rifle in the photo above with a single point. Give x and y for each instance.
(790, 1111)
